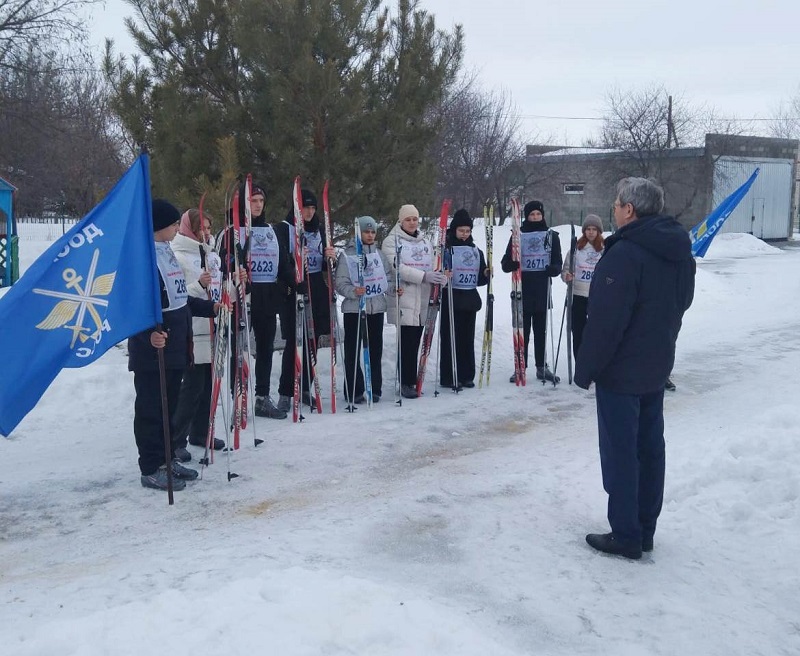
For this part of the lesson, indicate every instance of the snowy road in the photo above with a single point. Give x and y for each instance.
(452, 525)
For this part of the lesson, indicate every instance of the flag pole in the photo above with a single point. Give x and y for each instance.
(162, 375)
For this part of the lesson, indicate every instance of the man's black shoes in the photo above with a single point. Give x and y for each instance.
(608, 543)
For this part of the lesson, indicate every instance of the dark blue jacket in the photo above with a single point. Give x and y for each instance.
(178, 326)
(641, 287)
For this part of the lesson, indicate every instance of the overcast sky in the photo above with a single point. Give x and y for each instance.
(560, 59)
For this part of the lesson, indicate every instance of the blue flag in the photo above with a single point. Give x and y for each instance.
(94, 287)
(707, 229)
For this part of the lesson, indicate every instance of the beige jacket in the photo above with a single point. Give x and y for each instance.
(414, 300)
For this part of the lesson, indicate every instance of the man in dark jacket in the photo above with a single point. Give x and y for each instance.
(641, 287)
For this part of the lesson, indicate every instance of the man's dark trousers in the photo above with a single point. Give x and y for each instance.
(631, 428)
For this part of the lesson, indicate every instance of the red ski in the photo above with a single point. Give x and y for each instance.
(434, 302)
(326, 210)
(517, 322)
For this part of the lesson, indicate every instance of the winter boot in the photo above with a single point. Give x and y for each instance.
(218, 444)
(158, 480)
(182, 454)
(669, 385)
(409, 392)
(181, 472)
(284, 403)
(544, 373)
(513, 378)
(266, 408)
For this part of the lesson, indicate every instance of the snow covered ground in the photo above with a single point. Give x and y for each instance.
(451, 525)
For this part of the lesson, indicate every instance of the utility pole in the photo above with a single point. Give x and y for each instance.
(671, 136)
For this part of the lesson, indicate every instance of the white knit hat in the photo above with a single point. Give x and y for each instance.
(406, 211)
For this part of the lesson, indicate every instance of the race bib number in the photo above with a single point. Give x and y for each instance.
(314, 251)
(375, 281)
(214, 266)
(466, 267)
(417, 255)
(585, 262)
(534, 251)
(172, 275)
(264, 254)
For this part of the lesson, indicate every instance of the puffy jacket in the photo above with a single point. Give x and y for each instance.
(416, 293)
(641, 287)
(345, 286)
(188, 253)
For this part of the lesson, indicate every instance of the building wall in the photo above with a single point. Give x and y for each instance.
(687, 174)
(558, 175)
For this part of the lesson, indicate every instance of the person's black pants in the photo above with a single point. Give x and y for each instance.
(410, 337)
(580, 306)
(464, 322)
(148, 424)
(288, 317)
(194, 406)
(264, 329)
(352, 354)
(537, 321)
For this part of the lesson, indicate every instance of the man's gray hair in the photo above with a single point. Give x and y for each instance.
(645, 195)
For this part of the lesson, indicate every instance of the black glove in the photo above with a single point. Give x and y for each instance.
(513, 265)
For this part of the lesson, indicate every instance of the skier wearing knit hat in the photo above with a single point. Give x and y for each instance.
(469, 272)
(587, 254)
(409, 251)
(540, 252)
(376, 284)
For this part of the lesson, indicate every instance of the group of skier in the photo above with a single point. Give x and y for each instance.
(412, 278)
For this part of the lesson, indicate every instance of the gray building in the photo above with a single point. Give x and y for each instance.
(575, 182)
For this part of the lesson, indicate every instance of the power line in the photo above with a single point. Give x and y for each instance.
(603, 118)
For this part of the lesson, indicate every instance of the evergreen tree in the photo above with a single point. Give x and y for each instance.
(342, 89)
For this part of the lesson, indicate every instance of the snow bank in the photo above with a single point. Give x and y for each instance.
(738, 244)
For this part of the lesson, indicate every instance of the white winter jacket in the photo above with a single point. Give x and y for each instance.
(187, 251)
(416, 293)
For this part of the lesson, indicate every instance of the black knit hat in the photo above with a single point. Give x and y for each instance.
(533, 205)
(258, 190)
(164, 214)
(309, 199)
(461, 219)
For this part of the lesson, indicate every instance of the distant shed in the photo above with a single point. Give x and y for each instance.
(9, 255)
